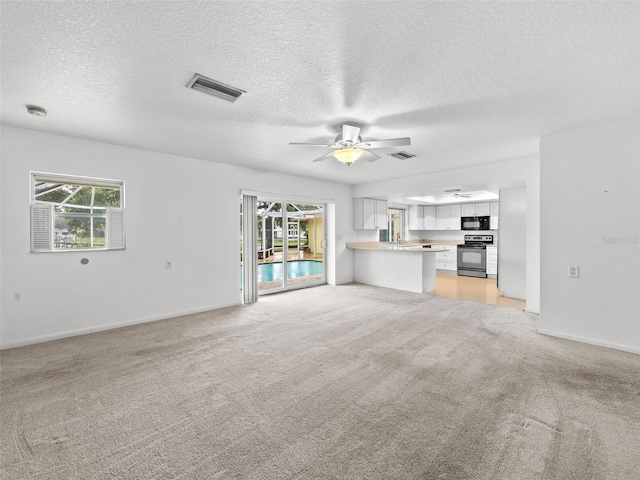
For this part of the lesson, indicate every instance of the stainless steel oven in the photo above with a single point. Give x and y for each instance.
(472, 256)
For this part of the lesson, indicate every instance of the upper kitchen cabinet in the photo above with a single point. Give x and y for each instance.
(476, 209)
(369, 214)
(448, 217)
(494, 220)
(422, 217)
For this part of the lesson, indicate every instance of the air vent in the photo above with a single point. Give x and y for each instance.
(453, 190)
(402, 155)
(216, 89)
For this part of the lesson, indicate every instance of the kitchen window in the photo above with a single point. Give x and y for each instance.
(70, 213)
(395, 226)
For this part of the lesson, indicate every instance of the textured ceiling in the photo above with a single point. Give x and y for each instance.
(469, 82)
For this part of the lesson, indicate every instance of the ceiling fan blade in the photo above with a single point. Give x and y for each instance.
(391, 142)
(350, 133)
(369, 156)
(311, 144)
(324, 157)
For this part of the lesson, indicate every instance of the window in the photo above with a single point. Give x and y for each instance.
(395, 226)
(76, 213)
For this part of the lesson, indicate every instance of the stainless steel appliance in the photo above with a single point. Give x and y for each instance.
(472, 256)
(475, 223)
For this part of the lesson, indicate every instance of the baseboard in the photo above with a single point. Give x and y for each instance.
(101, 328)
(590, 341)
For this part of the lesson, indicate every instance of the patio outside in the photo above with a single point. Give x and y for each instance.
(303, 234)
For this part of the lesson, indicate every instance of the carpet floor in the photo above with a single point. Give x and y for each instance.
(347, 382)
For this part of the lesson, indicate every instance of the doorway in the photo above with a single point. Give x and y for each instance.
(290, 245)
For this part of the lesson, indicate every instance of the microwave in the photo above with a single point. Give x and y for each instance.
(475, 223)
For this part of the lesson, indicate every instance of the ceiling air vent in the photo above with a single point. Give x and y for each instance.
(402, 155)
(217, 89)
(453, 190)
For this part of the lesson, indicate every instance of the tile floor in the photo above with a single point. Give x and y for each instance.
(483, 290)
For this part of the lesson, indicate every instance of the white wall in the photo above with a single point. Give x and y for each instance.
(512, 241)
(505, 174)
(177, 208)
(590, 211)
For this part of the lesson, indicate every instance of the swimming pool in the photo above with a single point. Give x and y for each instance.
(270, 272)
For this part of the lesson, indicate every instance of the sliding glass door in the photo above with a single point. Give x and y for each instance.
(305, 245)
(290, 245)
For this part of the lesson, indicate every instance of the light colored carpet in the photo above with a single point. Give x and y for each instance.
(349, 382)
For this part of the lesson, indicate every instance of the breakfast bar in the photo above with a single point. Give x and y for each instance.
(409, 267)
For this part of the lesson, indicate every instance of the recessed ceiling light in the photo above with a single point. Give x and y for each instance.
(35, 110)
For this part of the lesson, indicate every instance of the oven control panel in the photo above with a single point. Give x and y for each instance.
(478, 238)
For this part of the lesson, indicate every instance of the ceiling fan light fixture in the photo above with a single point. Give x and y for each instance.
(348, 155)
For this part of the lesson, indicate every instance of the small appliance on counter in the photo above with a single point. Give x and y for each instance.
(472, 256)
(475, 223)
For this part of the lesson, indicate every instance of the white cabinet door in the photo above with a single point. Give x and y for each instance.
(369, 213)
(448, 217)
(381, 214)
(455, 213)
(416, 219)
(429, 216)
(468, 209)
(476, 209)
(422, 217)
(492, 260)
(443, 217)
(447, 261)
(494, 221)
(483, 209)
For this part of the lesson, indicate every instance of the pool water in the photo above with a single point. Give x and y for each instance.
(270, 272)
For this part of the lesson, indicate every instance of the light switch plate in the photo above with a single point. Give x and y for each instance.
(574, 271)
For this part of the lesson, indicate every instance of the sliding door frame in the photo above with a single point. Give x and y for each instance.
(284, 200)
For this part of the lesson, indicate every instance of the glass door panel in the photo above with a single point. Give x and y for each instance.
(290, 245)
(306, 241)
(270, 246)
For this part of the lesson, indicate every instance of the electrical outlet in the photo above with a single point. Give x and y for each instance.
(169, 264)
(574, 271)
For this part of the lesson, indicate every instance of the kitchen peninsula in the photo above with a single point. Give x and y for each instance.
(410, 267)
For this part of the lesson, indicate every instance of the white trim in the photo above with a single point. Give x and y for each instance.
(590, 341)
(278, 197)
(77, 180)
(111, 326)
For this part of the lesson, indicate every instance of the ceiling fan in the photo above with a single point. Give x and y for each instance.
(461, 195)
(349, 147)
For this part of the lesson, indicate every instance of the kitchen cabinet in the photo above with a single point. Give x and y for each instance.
(447, 261)
(494, 220)
(448, 217)
(369, 214)
(476, 209)
(422, 217)
(492, 261)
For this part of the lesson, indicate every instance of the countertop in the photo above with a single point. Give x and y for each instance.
(403, 247)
